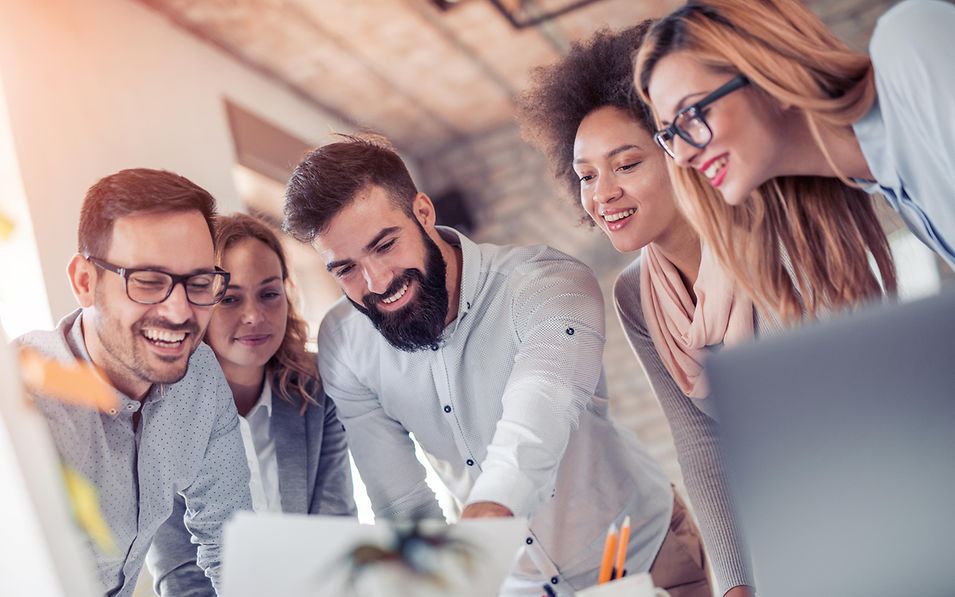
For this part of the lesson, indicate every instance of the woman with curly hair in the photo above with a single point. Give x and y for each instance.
(295, 445)
(674, 302)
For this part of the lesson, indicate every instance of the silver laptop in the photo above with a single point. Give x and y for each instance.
(840, 438)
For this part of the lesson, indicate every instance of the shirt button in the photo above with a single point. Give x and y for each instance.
(434, 347)
(112, 411)
(131, 406)
(554, 580)
(447, 409)
(570, 331)
(470, 462)
(529, 540)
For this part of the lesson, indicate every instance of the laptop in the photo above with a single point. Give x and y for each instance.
(294, 555)
(840, 442)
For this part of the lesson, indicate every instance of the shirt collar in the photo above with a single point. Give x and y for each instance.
(871, 134)
(77, 344)
(264, 401)
(471, 267)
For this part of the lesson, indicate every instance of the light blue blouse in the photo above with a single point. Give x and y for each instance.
(908, 137)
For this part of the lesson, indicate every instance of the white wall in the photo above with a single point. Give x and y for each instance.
(95, 86)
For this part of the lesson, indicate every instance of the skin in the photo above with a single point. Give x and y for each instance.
(621, 168)
(248, 326)
(372, 241)
(760, 137)
(113, 325)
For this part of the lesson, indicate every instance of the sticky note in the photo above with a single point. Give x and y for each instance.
(6, 227)
(77, 383)
(85, 502)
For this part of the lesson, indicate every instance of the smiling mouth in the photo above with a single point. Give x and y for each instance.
(397, 295)
(715, 169)
(254, 340)
(620, 215)
(164, 338)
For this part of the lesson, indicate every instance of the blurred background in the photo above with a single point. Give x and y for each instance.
(230, 93)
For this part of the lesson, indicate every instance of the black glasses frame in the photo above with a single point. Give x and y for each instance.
(126, 272)
(696, 111)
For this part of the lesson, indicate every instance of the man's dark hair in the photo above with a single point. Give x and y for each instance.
(595, 73)
(329, 178)
(132, 192)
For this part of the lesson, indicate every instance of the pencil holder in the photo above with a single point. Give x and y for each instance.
(634, 585)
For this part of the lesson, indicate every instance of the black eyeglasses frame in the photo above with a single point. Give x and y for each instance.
(126, 272)
(696, 109)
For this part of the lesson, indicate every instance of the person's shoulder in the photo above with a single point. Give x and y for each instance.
(910, 34)
(52, 343)
(529, 265)
(626, 288)
(342, 314)
(203, 360)
(42, 340)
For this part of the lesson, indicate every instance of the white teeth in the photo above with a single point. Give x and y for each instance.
(715, 167)
(164, 336)
(401, 292)
(619, 215)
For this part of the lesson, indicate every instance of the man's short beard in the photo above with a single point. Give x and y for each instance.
(420, 323)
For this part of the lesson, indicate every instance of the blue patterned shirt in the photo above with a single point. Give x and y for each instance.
(187, 443)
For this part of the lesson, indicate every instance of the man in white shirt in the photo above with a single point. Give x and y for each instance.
(490, 355)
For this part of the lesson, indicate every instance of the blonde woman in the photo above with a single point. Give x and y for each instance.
(760, 101)
(674, 302)
(294, 443)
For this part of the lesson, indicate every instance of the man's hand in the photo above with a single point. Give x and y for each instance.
(486, 510)
(740, 591)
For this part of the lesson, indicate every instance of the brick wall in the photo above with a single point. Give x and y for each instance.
(515, 201)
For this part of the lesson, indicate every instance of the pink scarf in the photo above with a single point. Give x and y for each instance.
(680, 330)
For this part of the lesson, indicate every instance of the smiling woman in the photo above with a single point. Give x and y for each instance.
(259, 339)
(774, 144)
(674, 301)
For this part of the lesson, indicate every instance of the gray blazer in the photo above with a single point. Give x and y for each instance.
(314, 478)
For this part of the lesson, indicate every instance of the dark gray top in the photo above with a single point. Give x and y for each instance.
(696, 435)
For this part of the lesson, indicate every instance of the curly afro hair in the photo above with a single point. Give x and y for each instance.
(595, 73)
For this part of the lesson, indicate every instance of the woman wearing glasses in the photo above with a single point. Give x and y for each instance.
(763, 103)
(295, 445)
(673, 301)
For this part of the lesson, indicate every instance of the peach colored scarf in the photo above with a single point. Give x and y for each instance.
(680, 330)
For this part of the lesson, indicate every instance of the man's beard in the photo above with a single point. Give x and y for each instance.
(420, 323)
(129, 356)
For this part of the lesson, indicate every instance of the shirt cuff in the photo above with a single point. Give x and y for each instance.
(510, 488)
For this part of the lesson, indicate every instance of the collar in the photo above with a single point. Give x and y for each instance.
(264, 401)
(471, 268)
(77, 345)
(871, 134)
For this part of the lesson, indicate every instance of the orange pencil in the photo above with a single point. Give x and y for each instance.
(622, 546)
(610, 550)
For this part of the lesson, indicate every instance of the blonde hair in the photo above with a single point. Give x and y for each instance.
(826, 227)
(292, 367)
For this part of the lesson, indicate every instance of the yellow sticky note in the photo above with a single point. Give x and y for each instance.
(85, 502)
(76, 383)
(6, 227)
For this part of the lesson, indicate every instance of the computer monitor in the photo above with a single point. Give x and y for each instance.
(840, 440)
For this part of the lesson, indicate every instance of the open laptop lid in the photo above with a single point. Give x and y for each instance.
(840, 438)
(305, 556)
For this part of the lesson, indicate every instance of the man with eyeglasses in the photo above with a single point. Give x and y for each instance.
(146, 282)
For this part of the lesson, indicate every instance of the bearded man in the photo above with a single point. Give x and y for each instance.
(489, 355)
